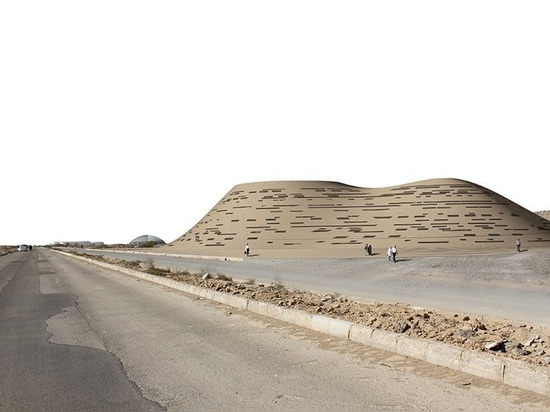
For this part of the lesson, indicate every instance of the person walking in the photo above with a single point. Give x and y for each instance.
(390, 255)
(394, 253)
(518, 245)
(367, 249)
(247, 250)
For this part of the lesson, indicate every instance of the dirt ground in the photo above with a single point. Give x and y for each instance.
(528, 343)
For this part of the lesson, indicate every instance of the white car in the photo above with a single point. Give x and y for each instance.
(22, 248)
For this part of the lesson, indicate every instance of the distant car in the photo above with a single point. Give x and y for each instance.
(22, 248)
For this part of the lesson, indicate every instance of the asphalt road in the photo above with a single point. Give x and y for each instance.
(37, 375)
(74, 336)
(513, 286)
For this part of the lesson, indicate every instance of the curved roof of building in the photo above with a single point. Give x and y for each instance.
(147, 239)
(329, 219)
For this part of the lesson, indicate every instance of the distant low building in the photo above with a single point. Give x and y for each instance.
(147, 241)
(78, 243)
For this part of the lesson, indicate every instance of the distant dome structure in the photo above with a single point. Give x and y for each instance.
(147, 240)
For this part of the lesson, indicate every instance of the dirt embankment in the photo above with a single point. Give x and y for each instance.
(4, 250)
(528, 343)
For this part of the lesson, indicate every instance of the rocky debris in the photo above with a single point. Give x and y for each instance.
(401, 327)
(497, 345)
(468, 331)
(506, 346)
(533, 341)
(497, 336)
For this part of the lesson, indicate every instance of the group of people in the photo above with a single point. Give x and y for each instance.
(368, 249)
(392, 252)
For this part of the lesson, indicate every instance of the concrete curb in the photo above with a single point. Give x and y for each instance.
(508, 371)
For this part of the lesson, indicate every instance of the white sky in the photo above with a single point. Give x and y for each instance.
(124, 118)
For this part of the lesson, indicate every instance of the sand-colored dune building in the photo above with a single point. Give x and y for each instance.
(296, 219)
